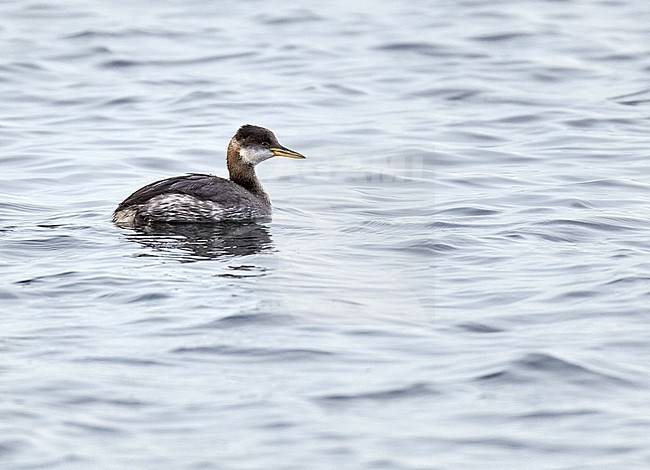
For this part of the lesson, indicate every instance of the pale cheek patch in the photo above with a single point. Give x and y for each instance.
(255, 156)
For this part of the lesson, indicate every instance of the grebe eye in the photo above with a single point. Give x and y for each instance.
(265, 144)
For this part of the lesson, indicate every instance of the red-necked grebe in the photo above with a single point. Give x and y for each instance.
(199, 198)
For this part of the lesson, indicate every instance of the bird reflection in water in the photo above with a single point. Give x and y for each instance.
(193, 242)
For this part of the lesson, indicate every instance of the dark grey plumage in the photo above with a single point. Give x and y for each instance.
(200, 198)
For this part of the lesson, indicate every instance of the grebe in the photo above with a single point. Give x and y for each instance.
(199, 198)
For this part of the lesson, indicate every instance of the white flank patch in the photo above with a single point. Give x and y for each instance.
(125, 218)
(181, 208)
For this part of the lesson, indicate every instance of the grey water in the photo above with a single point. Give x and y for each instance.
(457, 276)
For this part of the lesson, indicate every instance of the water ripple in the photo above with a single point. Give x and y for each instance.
(534, 366)
(266, 354)
(414, 390)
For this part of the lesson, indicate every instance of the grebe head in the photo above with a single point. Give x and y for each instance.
(254, 144)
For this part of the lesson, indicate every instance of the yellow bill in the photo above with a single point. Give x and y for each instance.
(285, 152)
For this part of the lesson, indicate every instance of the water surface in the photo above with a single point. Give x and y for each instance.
(457, 276)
